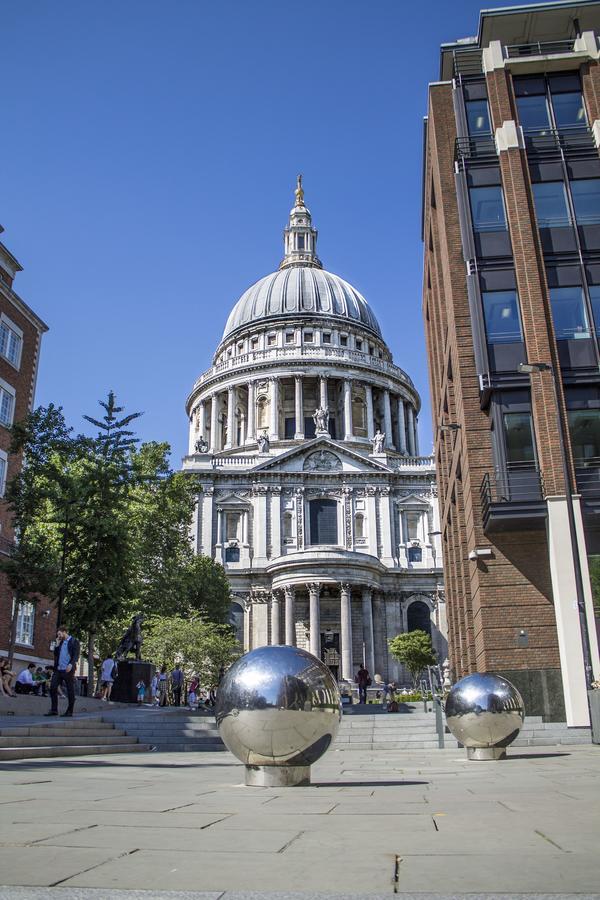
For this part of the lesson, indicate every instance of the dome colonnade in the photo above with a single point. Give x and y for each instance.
(313, 495)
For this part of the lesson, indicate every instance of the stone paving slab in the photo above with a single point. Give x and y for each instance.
(370, 824)
(16, 893)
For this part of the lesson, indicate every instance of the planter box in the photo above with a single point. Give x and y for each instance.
(595, 713)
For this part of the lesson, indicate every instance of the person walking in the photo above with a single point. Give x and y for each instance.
(154, 689)
(108, 673)
(66, 657)
(177, 684)
(163, 686)
(363, 680)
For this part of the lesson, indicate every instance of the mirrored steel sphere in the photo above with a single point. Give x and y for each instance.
(484, 710)
(278, 706)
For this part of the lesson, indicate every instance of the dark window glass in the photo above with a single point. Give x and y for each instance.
(586, 200)
(478, 117)
(323, 522)
(290, 428)
(487, 208)
(232, 554)
(569, 111)
(518, 435)
(419, 617)
(502, 319)
(551, 208)
(584, 426)
(568, 313)
(415, 554)
(300, 240)
(594, 290)
(533, 113)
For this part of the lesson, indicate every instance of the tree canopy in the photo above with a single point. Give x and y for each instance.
(414, 650)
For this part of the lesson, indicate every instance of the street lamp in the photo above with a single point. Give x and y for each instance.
(528, 369)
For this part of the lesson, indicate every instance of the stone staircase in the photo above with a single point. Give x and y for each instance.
(170, 730)
(65, 737)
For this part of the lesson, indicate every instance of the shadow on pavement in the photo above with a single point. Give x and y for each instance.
(345, 784)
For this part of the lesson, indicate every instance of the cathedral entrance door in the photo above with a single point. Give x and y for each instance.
(330, 651)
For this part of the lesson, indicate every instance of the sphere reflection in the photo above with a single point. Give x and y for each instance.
(484, 710)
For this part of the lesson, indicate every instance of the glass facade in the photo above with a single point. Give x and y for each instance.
(586, 200)
(551, 207)
(502, 319)
(569, 313)
(487, 208)
(584, 428)
(478, 117)
(534, 114)
(518, 436)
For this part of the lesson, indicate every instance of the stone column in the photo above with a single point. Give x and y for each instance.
(274, 409)
(242, 429)
(411, 430)
(207, 521)
(416, 425)
(387, 420)
(251, 417)
(346, 621)
(259, 504)
(275, 618)
(323, 391)
(347, 410)
(290, 624)
(275, 492)
(220, 553)
(299, 409)
(367, 611)
(401, 426)
(230, 418)
(314, 590)
(214, 424)
(370, 416)
(385, 512)
(192, 435)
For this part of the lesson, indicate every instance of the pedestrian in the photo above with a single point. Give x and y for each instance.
(6, 679)
(193, 693)
(108, 673)
(154, 688)
(163, 687)
(24, 683)
(363, 680)
(177, 684)
(66, 657)
(141, 692)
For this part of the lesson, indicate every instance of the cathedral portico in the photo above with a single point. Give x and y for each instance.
(313, 497)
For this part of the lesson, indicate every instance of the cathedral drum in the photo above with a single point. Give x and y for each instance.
(485, 713)
(278, 710)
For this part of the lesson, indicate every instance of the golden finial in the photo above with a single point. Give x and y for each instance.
(299, 192)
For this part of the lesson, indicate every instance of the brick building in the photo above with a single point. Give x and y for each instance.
(21, 333)
(511, 227)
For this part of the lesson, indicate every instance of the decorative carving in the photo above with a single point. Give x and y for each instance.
(348, 517)
(263, 442)
(378, 441)
(290, 591)
(321, 419)
(259, 595)
(322, 461)
(314, 587)
(259, 490)
(201, 446)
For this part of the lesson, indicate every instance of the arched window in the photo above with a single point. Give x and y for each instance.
(419, 617)
(262, 412)
(323, 522)
(359, 526)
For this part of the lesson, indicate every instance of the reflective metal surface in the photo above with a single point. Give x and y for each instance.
(278, 706)
(484, 710)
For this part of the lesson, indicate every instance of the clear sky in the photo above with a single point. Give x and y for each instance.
(149, 154)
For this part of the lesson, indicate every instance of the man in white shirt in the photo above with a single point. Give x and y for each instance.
(24, 683)
(108, 673)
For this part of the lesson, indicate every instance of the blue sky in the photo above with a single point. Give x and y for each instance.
(149, 154)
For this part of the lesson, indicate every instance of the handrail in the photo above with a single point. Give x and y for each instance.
(539, 48)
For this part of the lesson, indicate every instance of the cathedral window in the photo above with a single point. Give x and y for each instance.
(262, 409)
(308, 337)
(343, 340)
(358, 344)
(232, 526)
(254, 343)
(413, 525)
(271, 340)
(323, 521)
(300, 241)
(326, 339)
(290, 337)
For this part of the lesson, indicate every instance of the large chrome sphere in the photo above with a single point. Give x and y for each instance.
(278, 706)
(484, 710)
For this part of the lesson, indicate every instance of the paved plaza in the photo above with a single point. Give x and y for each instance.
(372, 823)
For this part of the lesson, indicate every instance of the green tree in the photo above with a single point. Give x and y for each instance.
(207, 592)
(414, 650)
(594, 566)
(202, 647)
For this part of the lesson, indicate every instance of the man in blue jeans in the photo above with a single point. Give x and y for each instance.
(66, 656)
(363, 680)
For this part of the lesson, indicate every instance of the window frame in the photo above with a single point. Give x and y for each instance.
(15, 332)
(21, 612)
(480, 227)
(9, 390)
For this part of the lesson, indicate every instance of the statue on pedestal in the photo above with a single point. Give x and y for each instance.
(263, 442)
(378, 442)
(201, 446)
(132, 640)
(321, 419)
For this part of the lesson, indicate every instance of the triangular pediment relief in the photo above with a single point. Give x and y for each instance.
(412, 500)
(322, 456)
(230, 498)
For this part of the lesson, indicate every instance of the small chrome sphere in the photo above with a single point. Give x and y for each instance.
(278, 706)
(484, 710)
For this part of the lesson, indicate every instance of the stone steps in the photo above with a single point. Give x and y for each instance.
(66, 737)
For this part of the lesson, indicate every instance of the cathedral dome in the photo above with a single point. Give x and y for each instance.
(300, 290)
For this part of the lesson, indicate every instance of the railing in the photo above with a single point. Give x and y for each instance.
(219, 461)
(467, 61)
(574, 141)
(587, 476)
(274, 354)
(517, 484)
(414, 462)
(539, 48)
(481, 147)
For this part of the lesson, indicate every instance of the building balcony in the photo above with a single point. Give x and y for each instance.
(257, 359)
(513, 500)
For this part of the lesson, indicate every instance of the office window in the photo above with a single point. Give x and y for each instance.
(569, 313)
(478, 117)
(487, 208)
(569, 111)
(502, 319)
(586, 200)
(533, 113)
(518, 435)
(323, 522)
(594, 290)
(10, 343)
(7, 407)
(584, 428)
(25, 620)
(550, 201)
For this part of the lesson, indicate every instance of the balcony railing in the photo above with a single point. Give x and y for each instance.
(289, 354)
(587, 476)
(467, 61)
(539, 48)
(481, 147)
(512, 499)
(575, 141)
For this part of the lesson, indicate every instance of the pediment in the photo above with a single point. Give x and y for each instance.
(232, 498)
(321, 456)
(413, 500)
